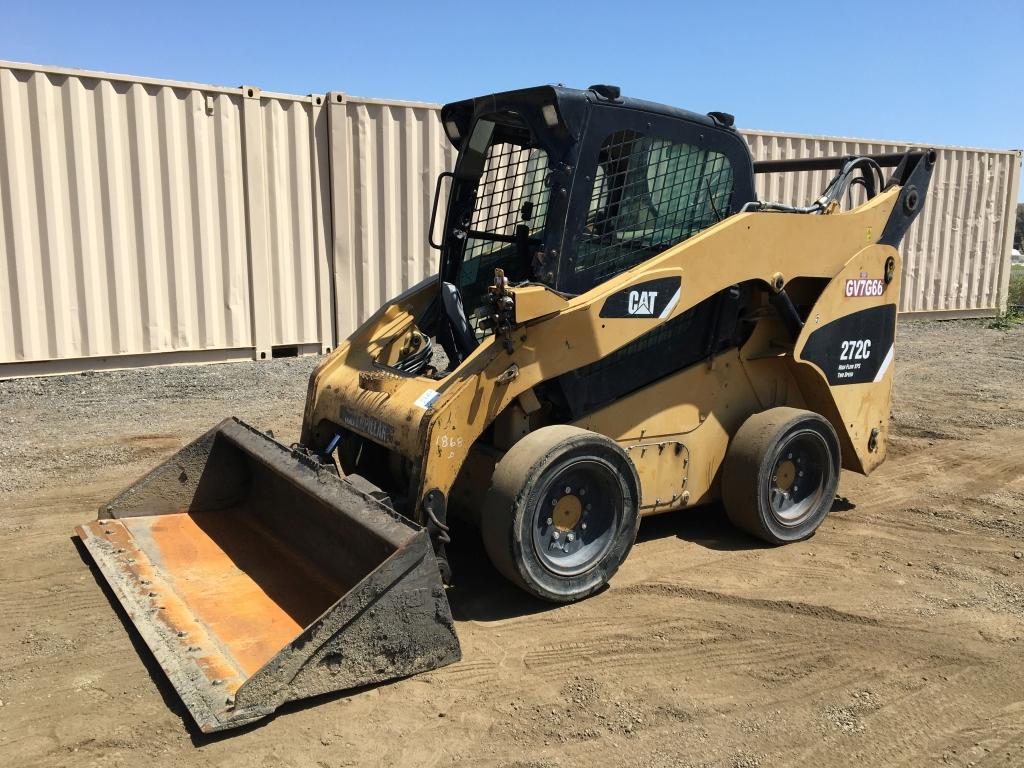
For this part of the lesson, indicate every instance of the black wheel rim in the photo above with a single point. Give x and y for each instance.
(798, 479)
(576, 517)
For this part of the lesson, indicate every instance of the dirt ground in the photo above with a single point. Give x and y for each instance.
(891, 638)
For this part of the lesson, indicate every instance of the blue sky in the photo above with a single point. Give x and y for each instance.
(940, 72)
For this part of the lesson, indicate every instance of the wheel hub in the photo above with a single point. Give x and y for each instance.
(567, 512)
(785, 475)
(798, 478)
(577, 517)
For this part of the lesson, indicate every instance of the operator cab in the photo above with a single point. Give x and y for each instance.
(568, 188)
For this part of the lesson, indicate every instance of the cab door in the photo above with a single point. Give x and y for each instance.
(645, 182)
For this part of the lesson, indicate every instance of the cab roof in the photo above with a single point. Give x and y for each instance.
(572, 104)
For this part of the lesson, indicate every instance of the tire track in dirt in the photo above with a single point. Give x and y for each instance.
(785, 606)
(990, 740)
(900, 732)
(959, 468)
(686, 646)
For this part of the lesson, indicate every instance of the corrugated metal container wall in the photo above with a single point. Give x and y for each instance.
(385, 159)
(147, 217)
(121, 215)
(295, 231)
(954, 255)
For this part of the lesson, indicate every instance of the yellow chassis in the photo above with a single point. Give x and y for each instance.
(676, 430)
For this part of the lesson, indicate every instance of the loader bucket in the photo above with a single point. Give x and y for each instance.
(256, 577)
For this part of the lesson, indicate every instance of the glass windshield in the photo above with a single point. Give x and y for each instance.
(504, 212)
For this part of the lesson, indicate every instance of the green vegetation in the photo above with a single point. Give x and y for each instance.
(1014, 314)
(1018, 230)
(1006, 321)
(1015, 296)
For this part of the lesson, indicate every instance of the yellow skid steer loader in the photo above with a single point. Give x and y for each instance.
(619, 328)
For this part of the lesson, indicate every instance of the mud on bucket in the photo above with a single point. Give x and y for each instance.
(257, 577)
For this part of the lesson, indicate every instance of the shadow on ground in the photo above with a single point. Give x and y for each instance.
(707, 526)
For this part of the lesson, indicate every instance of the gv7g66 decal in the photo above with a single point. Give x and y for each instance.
(651, 298)
(864, 287)
(854, 349)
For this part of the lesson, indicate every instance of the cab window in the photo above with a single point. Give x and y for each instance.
(500, 214)
(649, 194)
(508, 217)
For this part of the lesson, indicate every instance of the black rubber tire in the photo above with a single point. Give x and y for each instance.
(751, 466)
(519, 487)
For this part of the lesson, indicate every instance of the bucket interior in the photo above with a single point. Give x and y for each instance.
(249, 589)
(249, 557)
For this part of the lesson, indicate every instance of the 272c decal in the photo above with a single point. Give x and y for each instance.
(856, 349)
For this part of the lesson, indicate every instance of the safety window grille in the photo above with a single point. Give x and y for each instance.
(511, 206)
(649, 194)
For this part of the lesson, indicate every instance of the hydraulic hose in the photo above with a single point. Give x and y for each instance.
(835, 190)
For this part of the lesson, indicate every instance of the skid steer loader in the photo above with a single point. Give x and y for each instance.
(619, 328)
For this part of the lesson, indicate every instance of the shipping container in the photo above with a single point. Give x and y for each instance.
(147, 221)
